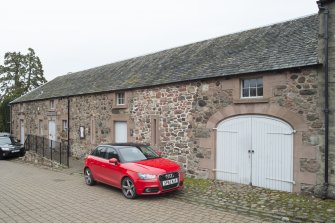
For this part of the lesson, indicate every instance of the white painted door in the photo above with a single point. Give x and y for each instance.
(232, 150)
(120, 131)
(52, 134)
(272, 159)
(255, 150)
(22, 131)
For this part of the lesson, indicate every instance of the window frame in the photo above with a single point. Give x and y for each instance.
(103, 149)
(108, 149)
(52, 104)
(251, 97)
(118, 98)
(65, 126)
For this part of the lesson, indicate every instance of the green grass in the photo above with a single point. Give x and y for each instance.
(197, 183)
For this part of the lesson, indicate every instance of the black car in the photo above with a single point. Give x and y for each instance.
(10, 146)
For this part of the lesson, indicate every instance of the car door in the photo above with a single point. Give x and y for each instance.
(113, 172)
(98, 162)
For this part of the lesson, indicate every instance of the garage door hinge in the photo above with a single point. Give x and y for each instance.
(283, 133)
(287, 181)
(224, 171)
(224, 130)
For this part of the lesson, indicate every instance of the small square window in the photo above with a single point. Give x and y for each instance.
(120, 99)
(252, 88)
(52, 104)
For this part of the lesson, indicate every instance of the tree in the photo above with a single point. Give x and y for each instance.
(5, 115)
(20, 74)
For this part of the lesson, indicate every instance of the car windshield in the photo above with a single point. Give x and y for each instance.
(5, 140)
(132, 153)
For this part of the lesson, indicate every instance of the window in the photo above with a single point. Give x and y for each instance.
(52, 104)
(132, 153)
(82, 132)
(65, 125)
(111, 153)
(252, 88)
(99, 152)
(120, 99)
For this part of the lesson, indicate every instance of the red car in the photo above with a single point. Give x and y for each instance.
(134, 168)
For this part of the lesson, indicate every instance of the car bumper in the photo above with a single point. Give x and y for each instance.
(13, 153)
(151, 187)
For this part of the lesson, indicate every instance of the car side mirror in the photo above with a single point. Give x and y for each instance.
(113, 161)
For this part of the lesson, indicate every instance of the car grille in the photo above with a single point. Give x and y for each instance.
(169, 176)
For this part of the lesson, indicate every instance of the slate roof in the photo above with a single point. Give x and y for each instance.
(279, 46)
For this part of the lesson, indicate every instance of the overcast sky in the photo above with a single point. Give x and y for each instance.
(74, 35)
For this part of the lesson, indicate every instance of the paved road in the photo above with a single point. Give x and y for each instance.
(34, 194)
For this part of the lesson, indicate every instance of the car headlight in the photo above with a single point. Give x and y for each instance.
(145, 176)
(5, 148)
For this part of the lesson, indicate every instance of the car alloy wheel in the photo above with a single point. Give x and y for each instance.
(128, 188)
(88, 177)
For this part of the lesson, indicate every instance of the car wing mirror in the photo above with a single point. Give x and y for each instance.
(113, 161)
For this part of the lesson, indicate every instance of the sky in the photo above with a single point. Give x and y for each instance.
(74, 35)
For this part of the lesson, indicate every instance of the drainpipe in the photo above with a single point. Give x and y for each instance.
(68, 130)
(324, 7)
(10, 119)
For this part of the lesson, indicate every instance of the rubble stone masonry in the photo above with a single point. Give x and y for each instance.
(185, 115)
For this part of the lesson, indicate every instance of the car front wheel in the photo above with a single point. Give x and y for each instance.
(89, 180)
(128, 188)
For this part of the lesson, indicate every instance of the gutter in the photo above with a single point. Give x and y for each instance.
(324, 7)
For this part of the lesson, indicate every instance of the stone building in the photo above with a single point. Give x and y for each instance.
(246, 107)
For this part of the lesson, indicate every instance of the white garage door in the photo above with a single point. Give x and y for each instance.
(256, 150)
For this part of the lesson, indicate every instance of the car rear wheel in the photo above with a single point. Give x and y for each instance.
(128, 188)
(89, 180)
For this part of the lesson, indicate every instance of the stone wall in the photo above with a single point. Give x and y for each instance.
(185, 114)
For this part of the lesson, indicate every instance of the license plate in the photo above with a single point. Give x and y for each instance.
(169, 182)
(15, 151)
